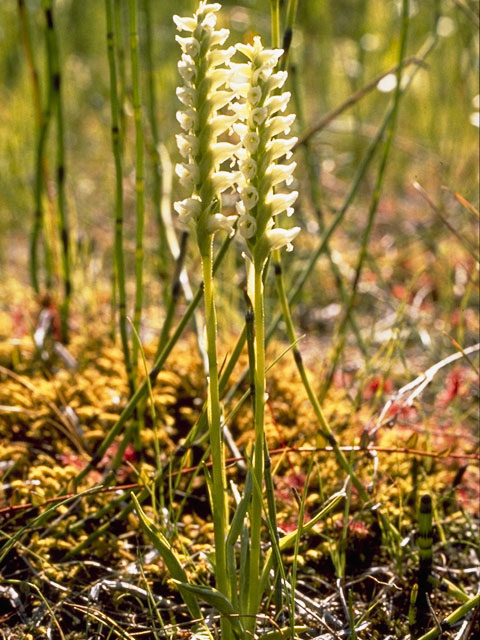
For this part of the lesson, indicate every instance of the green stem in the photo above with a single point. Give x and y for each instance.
(139, 175)
(41, 174)
(259, 454)
(275, 22)
(219, 491)
(118, 158)
(63, 225)
(153, 144)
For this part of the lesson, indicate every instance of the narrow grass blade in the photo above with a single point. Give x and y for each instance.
(168, 555)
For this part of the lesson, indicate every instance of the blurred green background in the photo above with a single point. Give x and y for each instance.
(338, 46)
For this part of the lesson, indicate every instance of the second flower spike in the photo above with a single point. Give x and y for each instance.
(258, 109)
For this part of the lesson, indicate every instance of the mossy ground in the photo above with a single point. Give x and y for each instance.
(61, 576)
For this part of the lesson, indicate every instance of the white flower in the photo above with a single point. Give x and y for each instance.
(219, 37)
(219, 124)
(222, 151)
(188, 209)
(281, 202)
(258, 116)
(249, 196)
(218, 222)
(185, 24)
(219, 99)
(277, 173)
(187, 119)
(254, 95)
(248, 167)
(187, 145)
(277, 103)
(277, 80)
(247, 225)
(220, 56)
(268, 57)
(190, 46)
(186, 95)
(251, 141)
(187, 69)
(189, 174)
(223, 180)
(280, 147)
(279, 124)
(215, 79)
(240, 129)
(278, 238)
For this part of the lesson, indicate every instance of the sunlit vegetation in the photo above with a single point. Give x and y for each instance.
(239, 320)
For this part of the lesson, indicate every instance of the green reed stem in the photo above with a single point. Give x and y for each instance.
(153, 143)
(41, 173)
(375, 200)
(119, 28)
(219, 486)
(275, 22)
(139, 175)
(118, 158)
(53, 58)
(424, 585)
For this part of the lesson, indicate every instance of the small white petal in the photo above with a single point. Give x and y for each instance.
(204, 7)
(240, 129)
(219, 37)
(251, 141)
(277, 103)
(249, 196)
(248, 167)
(248, 50)
(254, 95)
(219, 99)
(187, 69)
(218, 222)
(268, 57)
(247, 225)
(278, 238)
(258, 116)
(261, 75)
(217, 77)
(219, 124)
(185, 24)
(222, 151)
(279, 172)
(282, 202)
(190, 46)
(277, 80)
(208, 22)
(220, 56)
(187, 145)
(188, 209)
(223, 180)
(187, 119)
(186, 95)
(279, 124)
(189, 174)
(280, 147)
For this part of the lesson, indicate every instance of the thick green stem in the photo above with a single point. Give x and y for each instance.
(259, 454)
(53, 58)
(139, 175)
(118, 157)
(219, 497)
